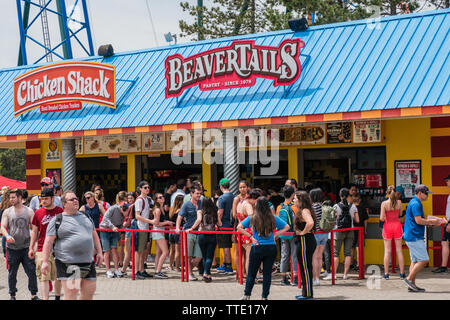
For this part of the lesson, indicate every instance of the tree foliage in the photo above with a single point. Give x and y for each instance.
(222, 18)
(12, 164)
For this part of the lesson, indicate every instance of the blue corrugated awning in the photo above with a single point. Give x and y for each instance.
(396, 62)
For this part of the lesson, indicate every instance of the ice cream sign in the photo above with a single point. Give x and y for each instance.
(64, 86)
(234, 66)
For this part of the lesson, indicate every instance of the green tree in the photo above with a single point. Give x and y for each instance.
(222, 18)
(12, 164)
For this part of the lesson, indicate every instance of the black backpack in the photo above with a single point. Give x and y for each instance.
(344, 220)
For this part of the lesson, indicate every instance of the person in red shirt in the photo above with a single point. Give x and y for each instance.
(39, 223)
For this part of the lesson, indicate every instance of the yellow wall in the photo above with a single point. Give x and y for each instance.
(406, 139)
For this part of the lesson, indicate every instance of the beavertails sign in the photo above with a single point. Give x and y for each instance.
(63, 86)
(235, 66)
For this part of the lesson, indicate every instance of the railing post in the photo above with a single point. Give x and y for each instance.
(182, 255)
(332, 258)
(133, 268)
(186, 256)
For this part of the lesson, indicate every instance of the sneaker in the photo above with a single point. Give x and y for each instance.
(420, 289)
(410, 285)
(12, 298)
(328, 277)
(386, 276)
(139, 276)
(192, 277)
(146, 275)
(345, 277)
(440, 270)
(295, 282)
(402, 276)
(316, 282)
(228, 271)
(285, 282)
(109, 274)
(300, 297)
(324, 274)
(118, 273)
(216, 266)
(259, 279)
(221, 268)
(207, 279)
(160, 275)
(244, 297)
(35, 298)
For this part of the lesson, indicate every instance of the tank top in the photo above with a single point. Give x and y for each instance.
(392, 216)
(94, 213)
(18, 227)
(207, 224)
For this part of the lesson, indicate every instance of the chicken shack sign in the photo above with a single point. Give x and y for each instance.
(63, 86)
(235, 66)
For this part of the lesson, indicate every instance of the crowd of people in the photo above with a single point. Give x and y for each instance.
(68, 239)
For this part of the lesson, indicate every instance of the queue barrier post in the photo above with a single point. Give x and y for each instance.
(361, 252)
(182, 255)
(186, 257)
(239, 239)
(133, 261)
(332, 258)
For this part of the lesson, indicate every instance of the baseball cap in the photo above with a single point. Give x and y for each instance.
(47, 192)
(224, 181)
(46, 180)
(447, 178)
(422, 188)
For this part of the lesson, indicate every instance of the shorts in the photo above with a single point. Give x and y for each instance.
(193, 246)
(174, 238)
(345, 237)
(158, 235)
(224, 241)
(143, 238)
(50, 276)
(446, 236)
(109, 240)
(356, 239)
(417, 250)
(321, 238)
(392, 230)
(73, 271)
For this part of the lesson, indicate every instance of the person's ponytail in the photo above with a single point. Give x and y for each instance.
(392, 196)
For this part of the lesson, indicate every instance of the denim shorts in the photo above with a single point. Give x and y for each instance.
(417, 250)
(321, 238)
(109, 240)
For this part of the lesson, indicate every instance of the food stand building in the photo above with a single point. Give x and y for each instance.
(362, 101)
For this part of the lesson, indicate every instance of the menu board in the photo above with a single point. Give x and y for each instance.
(131, 142)
(367, 131)
(112, 143)
(178, 139)
(290, 136)
(339, 132)
(154, 141)
(313, 135)
(79, 146)
(407, 176)
(93, 144)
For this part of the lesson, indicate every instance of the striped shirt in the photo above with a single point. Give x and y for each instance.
(318, 210)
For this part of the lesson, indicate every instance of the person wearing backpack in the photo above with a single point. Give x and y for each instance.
(346, 213)
(321, 238)
(286, 212)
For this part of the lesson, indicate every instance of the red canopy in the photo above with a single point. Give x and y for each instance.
(10, 183)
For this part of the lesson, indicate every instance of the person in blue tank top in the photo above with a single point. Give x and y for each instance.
(264, 249)
(92, 208)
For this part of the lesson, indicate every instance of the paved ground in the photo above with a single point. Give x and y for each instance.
(226, 288)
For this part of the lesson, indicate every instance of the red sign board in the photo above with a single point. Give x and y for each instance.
(235, 66)
(81, 81)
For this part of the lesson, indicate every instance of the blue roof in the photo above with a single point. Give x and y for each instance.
(401, 62)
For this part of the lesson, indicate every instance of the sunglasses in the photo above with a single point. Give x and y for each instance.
(146, 187)
(44, 184)
(87, 198)
(160, 197)
(73, 199)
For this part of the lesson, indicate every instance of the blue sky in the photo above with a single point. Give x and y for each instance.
(123, 23)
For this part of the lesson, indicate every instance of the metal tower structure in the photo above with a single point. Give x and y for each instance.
(70, 28)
